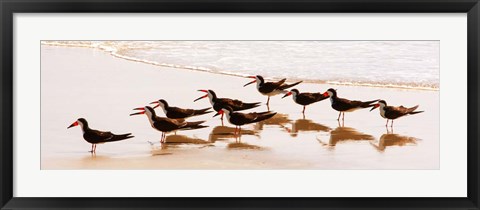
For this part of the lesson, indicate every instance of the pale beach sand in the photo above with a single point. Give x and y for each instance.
(88, 83)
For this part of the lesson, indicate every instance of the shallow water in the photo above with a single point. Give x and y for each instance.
(407, 64)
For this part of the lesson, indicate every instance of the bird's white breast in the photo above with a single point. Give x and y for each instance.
(164, 110)
(149, 116)
(211, 100)
(382, 112)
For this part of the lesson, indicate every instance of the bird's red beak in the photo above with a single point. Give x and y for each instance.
(253, 77)
(218, 113)
(375, 106)
(142, 112)
(156, 102)
(325, 94)
(205, 91)
(73, 124)
(289, 93)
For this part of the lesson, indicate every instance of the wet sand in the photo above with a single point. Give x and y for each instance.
(88, 83)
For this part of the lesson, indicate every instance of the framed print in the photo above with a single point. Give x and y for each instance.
(251, 105)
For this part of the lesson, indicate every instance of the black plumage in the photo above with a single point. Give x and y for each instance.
(219, 103)
(344, 105)
(305, 99)
(165, 125)
(95, 137)
(394, 112)
(270, 88)
(178, 113)
(238, 119)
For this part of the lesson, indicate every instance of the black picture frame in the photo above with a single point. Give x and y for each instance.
(10, 7)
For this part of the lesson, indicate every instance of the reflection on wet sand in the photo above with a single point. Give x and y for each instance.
(279, 119)
(221, 133)
(241, 145)
(225, 133)
(182, 139)
(342, 133)
(93, 156)
(163, 149)
(307, 125)
(175, 141)
(391, 139)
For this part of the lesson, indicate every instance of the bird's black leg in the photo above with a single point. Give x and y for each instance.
(339, 113)
(91, 150)
(268, 100)
(95, 148)
(343, 116)
(303, 110)
(386, 124)
(391, 125)
(389, 131)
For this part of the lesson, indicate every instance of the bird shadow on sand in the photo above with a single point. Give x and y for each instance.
(173, 142)
(279, 119)
(306, 125)
(391, 139)
(94, 157)
(222, 133)
(343, 134)
(182, 139)
(240, 145)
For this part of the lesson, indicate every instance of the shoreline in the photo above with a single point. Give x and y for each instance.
(114, 53)
(287, 141)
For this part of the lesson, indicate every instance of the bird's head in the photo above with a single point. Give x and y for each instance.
(225, 110)
(257, 79)
(330, 93)
(80, 121)
(380, 104)
(293, 92)
(209, 93)
(161, 103)
(144, 110)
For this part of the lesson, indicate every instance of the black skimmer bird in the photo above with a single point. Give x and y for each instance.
(305, 99)
(95, 137)
(392, 112)
(164, 124)
(344, 105)
(178, 113)
(238, 119)
(219, 103)
(270, 88)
